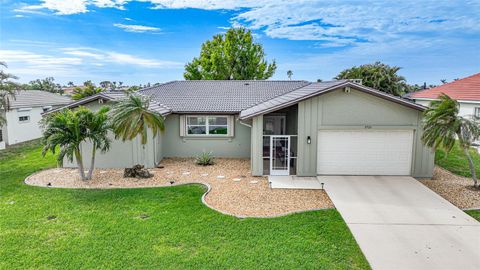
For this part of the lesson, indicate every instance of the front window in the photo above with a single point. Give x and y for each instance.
(23, 119)
(477, 112)
(207, 125)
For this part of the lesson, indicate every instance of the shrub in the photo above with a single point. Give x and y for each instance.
(204, 159)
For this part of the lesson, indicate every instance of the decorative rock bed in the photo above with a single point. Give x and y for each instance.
(238, 193)
(455, 189)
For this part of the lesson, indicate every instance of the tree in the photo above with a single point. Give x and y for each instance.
(7, 90)
(70, 84)
(379, 76)
(443, 126)
(289, 74)
(48, 84)
(86, 91)
(230, 56)
(131, 117)
(68, 129)
(106, 84)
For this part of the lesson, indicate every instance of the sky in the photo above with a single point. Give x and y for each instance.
(143, 41)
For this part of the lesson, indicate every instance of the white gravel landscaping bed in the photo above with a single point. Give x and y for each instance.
(233, 190)
(456, 189)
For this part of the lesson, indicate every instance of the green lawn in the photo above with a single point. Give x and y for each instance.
(474, 213)
(457, 162)
(104, 229)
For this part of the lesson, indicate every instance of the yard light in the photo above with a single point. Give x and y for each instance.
(309, 140)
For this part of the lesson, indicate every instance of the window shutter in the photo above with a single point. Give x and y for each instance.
(182, 125)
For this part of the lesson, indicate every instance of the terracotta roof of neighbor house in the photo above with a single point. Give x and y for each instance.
(464, 89)
(315, 89)
(36, 98)
(218, 96)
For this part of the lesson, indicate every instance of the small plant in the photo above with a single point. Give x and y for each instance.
(204, 159)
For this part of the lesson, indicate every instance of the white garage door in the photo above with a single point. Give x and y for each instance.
(362, 152)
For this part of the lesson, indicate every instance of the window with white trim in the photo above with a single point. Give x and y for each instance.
(1, 135)
(23, 119)
(477, 112)
(206, 125)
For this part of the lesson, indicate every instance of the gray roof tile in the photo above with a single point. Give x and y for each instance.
(36, 98)
(218, 96)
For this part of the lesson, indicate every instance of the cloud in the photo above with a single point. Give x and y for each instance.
(137, 28)
(332, 23)
(83, 63)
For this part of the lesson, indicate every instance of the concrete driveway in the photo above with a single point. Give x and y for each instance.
(401, 224)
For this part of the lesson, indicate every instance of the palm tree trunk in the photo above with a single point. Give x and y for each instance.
(470, 164)
(79, 159)
(92, 163)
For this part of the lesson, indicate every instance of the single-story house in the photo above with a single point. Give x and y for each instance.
(284, 127)
(24, 114)
(466, 91)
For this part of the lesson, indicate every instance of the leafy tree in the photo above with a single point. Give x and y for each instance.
(131, 117)
(106, 84)
(7, 90)
(67, 129)
(289, 74)
(86, 91)
(443, 126)
(70, 84)
(230, 56)
(379, 76)
(48, 84)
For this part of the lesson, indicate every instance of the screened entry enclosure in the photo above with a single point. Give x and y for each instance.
(280, 142)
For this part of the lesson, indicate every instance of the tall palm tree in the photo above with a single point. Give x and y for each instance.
(131, 117)
(68, 129)
(97, 126)
(443, 126)
(7, 90)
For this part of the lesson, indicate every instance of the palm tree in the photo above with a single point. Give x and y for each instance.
(68, 129)
(7, 90)
(131, 117)
(289, 74)
(443, 126)
(97, 133)
(86, 91)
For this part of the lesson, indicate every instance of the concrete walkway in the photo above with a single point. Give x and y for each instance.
(401, 224)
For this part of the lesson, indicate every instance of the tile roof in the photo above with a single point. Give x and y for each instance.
(36, 98)
(315, 89)
(218, 96)
(464, 89)
(114, 95)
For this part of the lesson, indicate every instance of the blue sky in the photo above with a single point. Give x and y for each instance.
(151, 40)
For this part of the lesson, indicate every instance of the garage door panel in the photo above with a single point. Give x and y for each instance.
(365, 152)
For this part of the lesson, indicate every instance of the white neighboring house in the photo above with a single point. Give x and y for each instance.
(466, 91)
(25, 113)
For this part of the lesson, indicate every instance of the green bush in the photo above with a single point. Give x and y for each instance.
(204, 159)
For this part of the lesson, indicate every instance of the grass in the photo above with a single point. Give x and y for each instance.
(474, 213)
(162, 228)
(456, 162)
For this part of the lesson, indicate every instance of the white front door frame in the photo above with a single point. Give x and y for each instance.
(284, 170)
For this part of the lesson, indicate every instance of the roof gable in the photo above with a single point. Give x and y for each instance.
(316, 89)
(464, 89)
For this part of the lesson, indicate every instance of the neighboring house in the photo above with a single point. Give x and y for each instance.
(284, 127)
(466, 91)
(25, 112)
